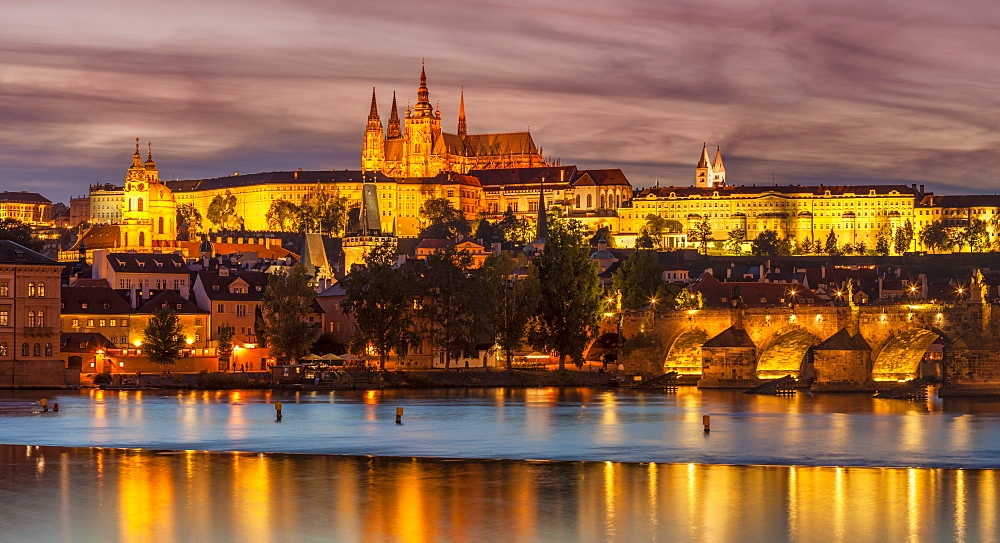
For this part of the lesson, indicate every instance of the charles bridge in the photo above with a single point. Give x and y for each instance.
(835, 348)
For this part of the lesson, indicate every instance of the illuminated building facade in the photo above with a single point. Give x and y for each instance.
(28, 207)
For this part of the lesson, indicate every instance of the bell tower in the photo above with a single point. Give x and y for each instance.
(423, 131)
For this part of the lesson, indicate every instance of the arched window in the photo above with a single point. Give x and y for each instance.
(161, 225)
(31, 289)
(577, 200)
(41, 291)
(590, 201)
(24, 349)
(48, 349)
(138, 206)
(3, 349)
(38, 350)
(604, 201)
(40, 319)
(142, 239)
(31, 319)
(125, 243)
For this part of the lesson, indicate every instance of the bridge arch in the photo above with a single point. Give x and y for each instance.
(684, 355)
(900, 356)
(786, 353)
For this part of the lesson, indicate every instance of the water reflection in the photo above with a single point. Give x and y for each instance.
(51, 493)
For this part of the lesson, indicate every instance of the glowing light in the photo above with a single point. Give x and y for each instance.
(137, 343)
(608, 314)
(189, 341)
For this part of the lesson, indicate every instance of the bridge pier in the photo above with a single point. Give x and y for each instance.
(971, 366)
(729, 360)
(843, 363)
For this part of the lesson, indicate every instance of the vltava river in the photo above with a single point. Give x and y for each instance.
(577, 465)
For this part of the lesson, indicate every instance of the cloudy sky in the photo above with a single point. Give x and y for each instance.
(795, 91)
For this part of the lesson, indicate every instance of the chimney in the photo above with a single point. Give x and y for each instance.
(921, 188)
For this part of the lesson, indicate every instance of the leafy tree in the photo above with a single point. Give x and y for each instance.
(286, 306)
(766, 244)
(904, 236)
(442, 219)
(222, 212)
(283, 216)
(645, 240)
(603, 232)
(224, 344)
(162, 340)
(702, 235)
(570, 296)
(452, 299)
(322, 211)
(831, 247)
(883, 239)
(189, 219)
(737, 236)
(515, 230)
(509, 302)
(380, 297)
(935, 236)
(488, 232)
(976, 235)
(860, 248)
(20, 233)
(638, 279)
(655, 228)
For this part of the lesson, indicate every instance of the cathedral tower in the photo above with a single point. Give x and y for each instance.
(373, 155)
(709, 174)
(423, 131)
(149, 213)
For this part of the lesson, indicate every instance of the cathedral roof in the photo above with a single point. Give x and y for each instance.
(393, 150)
(510, 143)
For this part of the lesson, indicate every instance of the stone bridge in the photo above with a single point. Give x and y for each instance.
(834, 348)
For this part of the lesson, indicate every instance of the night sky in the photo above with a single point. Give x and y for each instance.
(799, 91)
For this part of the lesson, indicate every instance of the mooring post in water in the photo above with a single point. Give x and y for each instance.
(55, 407)
(706, 420)
(277, 411)
(45, 404)
(399, 415)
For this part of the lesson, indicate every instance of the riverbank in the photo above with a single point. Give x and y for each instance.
(413, 379)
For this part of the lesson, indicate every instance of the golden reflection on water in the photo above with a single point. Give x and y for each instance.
(146, 496)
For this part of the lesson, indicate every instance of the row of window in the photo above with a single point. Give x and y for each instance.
(35, 290)
(241, 310)
(35, 318)
(36, 350)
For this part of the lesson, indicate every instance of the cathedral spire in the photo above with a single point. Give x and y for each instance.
(374, 123)
(461, 114)
(423, 107)
(394, 131)
(137, 158)
(704, 162)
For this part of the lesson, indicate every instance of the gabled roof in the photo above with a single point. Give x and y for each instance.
(98, 301)
(147, 263)
(15, 253)
(88, 282)
(217, 286)
(170, 299)
(731, 337)
(844, 341)
(103, 236)
(83, 342)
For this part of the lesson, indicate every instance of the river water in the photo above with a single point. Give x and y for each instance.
(578, 464)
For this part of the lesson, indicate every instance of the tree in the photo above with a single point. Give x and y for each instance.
(322, 211)
(904, 236)
(283, 216)
(883, 240)
(452, 299)
(655, 227)
(860, 248)
(189, 219)
(737, 236)
(935, 236)
(702, 235)
(766, 244)
(831, 247)
(510, 301)
(380, 297)
(222, 212)
(638, 279)
(976, 235)
(224, 345)
(488, 232)
(20, 233)
(286, 306)
(442, 219)
(515, 230)
(162, 340)
(570, 296)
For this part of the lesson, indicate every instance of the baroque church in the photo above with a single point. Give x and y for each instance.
(417, 147)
